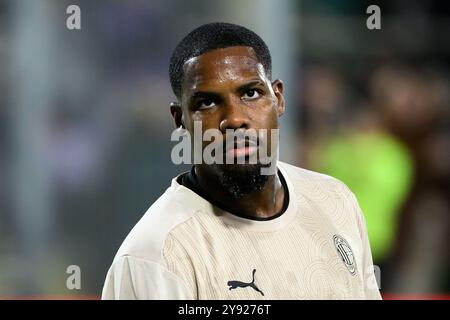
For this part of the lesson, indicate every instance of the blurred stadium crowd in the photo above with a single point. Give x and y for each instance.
(85, 127)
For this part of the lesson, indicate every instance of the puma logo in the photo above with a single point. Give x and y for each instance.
(239, 284)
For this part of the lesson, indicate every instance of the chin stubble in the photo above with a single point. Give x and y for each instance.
(245, 180)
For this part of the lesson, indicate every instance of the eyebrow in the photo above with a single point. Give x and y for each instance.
(250, 85)
(216, 95)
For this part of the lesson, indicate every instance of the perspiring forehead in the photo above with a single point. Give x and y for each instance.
(222, 66)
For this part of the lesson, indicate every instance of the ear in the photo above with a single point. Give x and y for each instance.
(177, 114)
(277, 87)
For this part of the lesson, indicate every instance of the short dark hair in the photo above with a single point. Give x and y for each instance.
(210, 37)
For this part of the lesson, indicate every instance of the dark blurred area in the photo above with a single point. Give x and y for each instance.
(85, 127)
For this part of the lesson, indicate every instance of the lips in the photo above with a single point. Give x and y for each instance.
(242, 148)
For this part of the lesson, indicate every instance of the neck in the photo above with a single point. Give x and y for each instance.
(264, 203)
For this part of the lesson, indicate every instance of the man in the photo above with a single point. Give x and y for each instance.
(226, 230)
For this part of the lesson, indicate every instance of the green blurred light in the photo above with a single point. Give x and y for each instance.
(379, 170)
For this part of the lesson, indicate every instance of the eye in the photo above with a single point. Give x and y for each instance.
(205, 104)
(251, 94)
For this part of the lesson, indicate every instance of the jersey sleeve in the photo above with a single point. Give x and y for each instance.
(131, 278)
(371, 290)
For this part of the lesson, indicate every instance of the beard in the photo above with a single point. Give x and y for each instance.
(243, 179)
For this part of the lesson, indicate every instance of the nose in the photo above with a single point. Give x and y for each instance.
(234, 117)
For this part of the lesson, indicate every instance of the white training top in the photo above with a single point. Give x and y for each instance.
(186, 248)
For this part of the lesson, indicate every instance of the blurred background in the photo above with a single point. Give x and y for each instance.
(85, 127)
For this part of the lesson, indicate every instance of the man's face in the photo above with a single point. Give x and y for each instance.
(229, 89)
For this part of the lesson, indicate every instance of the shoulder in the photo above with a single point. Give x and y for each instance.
(322, 182)
(140, 269)
(147, 238)
(301, 173)
(324, 191)
(133, 278)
